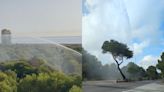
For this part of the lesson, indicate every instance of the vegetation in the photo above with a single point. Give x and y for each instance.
(54, 56)
(75, 89)
(8, 82)
(94, 70)
(91, 67)
(136, 72)
(152, 72)
(119, 51)
(76, 47)
(160, 65)
(22, 76)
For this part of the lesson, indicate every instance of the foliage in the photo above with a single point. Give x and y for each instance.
(94, 70)
(75, 89)
(21, 68)
(133, 68)
(135, 72)
(91, 67)
(160, 65)
(119, 51)
(77, 80)
(7, 82)
(152, 72)
(71, 66)
(23, 76)
(46, 83)
(76, 47)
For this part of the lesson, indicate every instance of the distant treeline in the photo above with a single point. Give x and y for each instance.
(94, 70)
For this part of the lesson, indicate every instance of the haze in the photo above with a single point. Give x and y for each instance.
(41, 17)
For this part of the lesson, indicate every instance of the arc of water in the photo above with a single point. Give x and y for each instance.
(48, 41)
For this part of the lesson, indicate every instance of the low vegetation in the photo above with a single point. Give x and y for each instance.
(22, 76)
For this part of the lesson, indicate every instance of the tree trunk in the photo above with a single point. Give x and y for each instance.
(123, 76)
(118, 66)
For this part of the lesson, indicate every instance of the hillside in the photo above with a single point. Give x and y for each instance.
(56, 56)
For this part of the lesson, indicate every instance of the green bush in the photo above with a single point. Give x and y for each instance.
(21, 68)
(7, 83)
(45, 82)
(75, 89)
(21, 76)
(77, 80)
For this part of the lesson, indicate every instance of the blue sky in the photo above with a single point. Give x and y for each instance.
(137, 23)
(41, 17)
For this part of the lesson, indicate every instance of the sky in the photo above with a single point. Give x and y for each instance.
(137, 23)
(41, 17)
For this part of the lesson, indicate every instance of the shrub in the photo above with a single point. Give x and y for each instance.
(45, 82)
(75, 89)
(7, 83)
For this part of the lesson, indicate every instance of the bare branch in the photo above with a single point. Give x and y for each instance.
(115, 59)
(121, 61)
